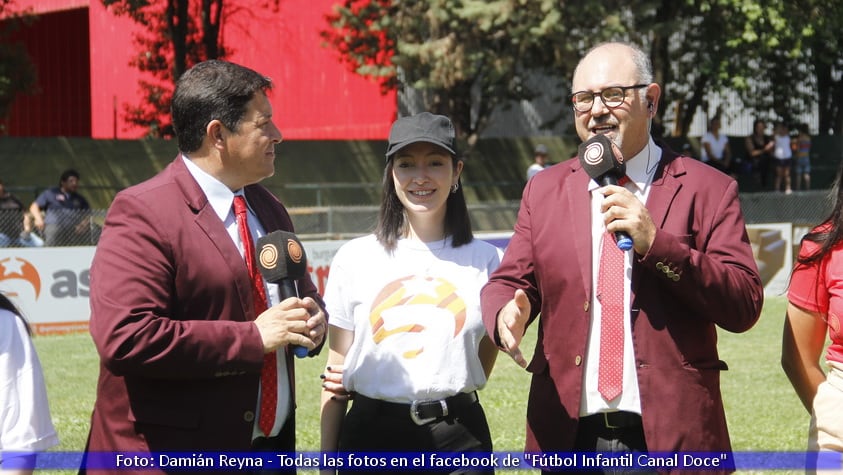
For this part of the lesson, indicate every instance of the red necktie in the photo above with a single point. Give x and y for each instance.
(269, 372)
(610, 294)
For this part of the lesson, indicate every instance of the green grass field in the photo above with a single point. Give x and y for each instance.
(763, 411)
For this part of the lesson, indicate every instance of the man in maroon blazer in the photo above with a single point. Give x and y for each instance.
(691, 269)
(173, 316)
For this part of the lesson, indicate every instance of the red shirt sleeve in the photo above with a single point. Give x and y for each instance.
(808, 287)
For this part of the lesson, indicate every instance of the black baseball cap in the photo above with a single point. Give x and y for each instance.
(422, 127)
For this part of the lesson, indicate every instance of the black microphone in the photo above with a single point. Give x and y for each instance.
(282, 261)
(603, 162)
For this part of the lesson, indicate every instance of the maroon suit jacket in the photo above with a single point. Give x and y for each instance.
(171, 317)
(700, 236)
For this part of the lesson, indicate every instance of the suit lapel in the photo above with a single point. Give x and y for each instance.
(579, 202)
(664, 188)
(209, 223)
(261, 203)
(663, 191)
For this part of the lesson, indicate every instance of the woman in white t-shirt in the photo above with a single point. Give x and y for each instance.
(25, 423)
(406, 337)
(715, 147)
(783, 153)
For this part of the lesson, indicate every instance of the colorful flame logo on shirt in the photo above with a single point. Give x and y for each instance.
(434, 292)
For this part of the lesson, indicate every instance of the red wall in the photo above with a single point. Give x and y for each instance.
(58, 45)
(314, 97)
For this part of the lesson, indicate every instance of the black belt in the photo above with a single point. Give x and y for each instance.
(612, 420)
(422, 412)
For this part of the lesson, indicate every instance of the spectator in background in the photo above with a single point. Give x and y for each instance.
(783, 153)
(11, 218)
(62, 214)
(539, 160)
(715, 149)
(25, 423)
(802, 167)
(814, 310)
(29, 238)
(759, 148)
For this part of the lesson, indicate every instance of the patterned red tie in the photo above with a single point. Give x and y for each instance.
(610, 294)
(269, 372)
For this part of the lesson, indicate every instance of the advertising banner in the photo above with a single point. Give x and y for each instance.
(51, 285)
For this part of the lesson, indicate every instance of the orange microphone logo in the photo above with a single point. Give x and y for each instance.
(294, 250)
(268, 256)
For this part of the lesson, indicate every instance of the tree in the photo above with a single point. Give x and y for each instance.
(469, 57)
(17, 72)
(824, 23)
(179, 34)
(465, 58)
(700, 48)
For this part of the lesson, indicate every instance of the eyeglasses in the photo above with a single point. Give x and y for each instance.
(612, 97)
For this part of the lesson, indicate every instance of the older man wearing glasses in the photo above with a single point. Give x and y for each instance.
(626, 358)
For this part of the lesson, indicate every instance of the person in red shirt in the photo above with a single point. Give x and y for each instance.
(815, 307)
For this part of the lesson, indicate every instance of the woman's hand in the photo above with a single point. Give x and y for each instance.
(332, 382)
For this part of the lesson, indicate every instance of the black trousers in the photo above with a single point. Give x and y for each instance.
(612, 433)
(368, 427)
(285, 441)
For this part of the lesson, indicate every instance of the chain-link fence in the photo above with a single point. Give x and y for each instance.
(82, 228)
(802, 208)
(68, 228)
(805, 208)
(341, 222)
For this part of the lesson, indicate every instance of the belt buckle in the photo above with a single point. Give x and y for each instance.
(414, 412)
(607, 423)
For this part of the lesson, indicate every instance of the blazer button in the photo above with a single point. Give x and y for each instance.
(578, 360)
(249, 416)
(659, 265)
(585, 306)
(675, 277)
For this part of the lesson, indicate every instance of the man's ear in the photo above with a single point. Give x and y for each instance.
(215, 132)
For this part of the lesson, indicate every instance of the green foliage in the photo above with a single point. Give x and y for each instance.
(468, 57)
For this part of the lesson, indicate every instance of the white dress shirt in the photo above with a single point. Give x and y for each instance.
(640, 170)
(221, 199)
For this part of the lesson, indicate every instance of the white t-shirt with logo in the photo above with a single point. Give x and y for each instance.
(415, 316)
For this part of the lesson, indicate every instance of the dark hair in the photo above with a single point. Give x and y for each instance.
(67, 174)
(392, 222)
(830, 231)
(212, 90)
(7, 304)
